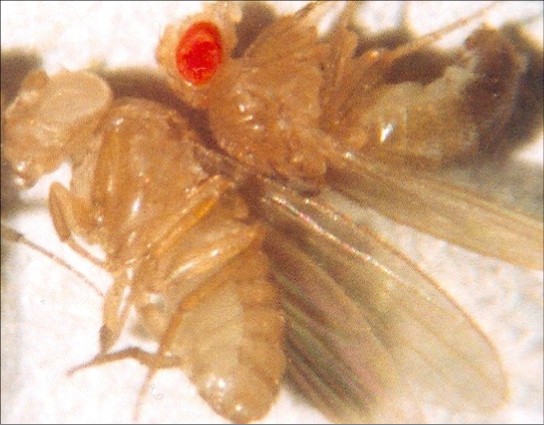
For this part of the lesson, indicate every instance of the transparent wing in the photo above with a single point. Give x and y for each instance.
(443, 210)
(369, 333)
(289, 38)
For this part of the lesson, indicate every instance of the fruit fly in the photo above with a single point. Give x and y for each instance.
(287, 212)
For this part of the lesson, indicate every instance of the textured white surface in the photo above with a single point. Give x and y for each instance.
(50, 321)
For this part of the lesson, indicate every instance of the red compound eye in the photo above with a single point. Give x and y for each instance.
(199, 53)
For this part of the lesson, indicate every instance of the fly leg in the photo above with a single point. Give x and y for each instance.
(70, 213)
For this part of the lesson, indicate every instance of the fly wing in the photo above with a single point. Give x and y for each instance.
(367, 330)
(443, 210)
(291, 38)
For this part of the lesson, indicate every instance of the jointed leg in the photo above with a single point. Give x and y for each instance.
(16, 237)
(68, 212)
(159, 360)
(167, 340)
(150, 360)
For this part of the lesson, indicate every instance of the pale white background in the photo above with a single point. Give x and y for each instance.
(50, 320)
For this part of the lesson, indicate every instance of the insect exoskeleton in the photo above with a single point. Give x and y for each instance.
(319, 114)
(212, 238)
(180, 241)
(295, 112)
